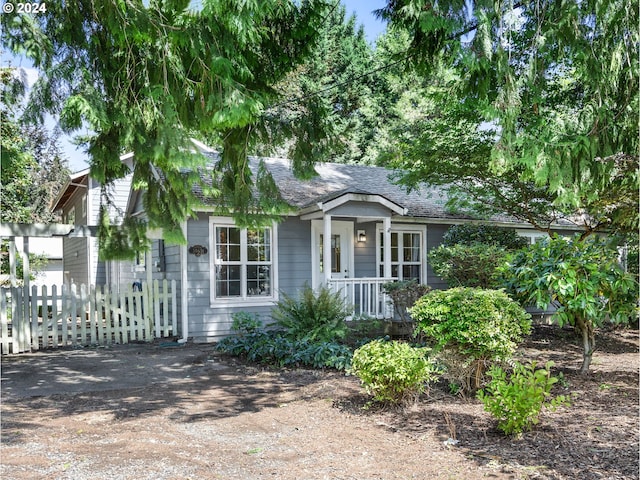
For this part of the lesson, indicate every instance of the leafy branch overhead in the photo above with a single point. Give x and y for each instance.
(147, 76)
(532, 106)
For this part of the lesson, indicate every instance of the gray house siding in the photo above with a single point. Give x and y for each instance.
(294, 255)
(75, 261)
(75, 251)
(434, 238)
(364, 254)
(209, 322)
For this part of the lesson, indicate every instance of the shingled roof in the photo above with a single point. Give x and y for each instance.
(334, 180)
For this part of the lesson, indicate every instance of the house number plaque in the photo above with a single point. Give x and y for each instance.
(198, 250)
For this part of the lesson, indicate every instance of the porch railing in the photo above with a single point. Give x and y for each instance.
(364, 295)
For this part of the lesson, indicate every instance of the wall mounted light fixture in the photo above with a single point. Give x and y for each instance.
(362, 236)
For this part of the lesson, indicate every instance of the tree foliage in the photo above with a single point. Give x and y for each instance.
(33, 168)
(470, 254)
(147, 76)
(539, 118)
(582, 279)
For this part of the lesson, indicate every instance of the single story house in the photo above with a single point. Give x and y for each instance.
(376, 232)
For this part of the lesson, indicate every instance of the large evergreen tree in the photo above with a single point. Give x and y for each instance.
(556, 82)
(147, 76)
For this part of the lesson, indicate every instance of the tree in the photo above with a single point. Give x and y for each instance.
(555, 82)
(33, 168)
(147, 76)
(582, 279)
(332, 85)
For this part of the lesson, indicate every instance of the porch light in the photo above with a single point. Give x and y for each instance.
(362, 236)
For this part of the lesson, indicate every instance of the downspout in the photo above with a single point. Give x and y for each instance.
(184, 299)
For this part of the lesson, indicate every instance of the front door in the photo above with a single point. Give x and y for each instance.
(341, 250)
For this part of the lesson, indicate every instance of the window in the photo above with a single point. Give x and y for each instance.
(71, 216)
(406, 254)
(335, 253)
(243, 265)
(532, 237)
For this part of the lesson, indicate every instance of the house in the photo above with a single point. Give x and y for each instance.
(78, 203)
(376, 230)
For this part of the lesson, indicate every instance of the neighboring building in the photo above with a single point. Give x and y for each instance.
(377, 232)
(79, 204)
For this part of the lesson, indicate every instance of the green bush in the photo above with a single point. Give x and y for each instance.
(581, 278)
(316, 316)
(464, 265)
(486, 234)
(473, 328)
(393, 372)
(516, 402)
(245, 323)
(404, 295)
(271, 348)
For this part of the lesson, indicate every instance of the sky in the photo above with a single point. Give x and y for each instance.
(363, 10)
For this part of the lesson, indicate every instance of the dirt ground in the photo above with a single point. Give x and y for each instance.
(166, 412)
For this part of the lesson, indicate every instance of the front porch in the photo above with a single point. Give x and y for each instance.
(365, 250)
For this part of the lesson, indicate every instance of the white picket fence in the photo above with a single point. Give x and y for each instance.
(81, 316)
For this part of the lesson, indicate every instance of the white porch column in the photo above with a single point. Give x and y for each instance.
(387, 246)
(326, 247)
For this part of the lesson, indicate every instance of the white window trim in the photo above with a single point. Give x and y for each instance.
(532, 235)
(401, 228)
(241, 301)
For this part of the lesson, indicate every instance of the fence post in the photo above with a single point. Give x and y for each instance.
(174, 308)
(157, 319)
(5, 293)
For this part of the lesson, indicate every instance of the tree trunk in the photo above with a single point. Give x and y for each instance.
(588, 343)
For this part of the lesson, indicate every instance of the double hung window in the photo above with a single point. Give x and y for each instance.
(243, 266)
(406, 255)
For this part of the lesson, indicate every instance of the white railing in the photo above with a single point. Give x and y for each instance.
(77, 315)
(364, 295)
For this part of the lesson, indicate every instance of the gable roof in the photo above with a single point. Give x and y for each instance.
(74, 182)
(338, 183)
(335, 180)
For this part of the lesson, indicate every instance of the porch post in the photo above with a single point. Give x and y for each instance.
(387, 246)
(326, 247)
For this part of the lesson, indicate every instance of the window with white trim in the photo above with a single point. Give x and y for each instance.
(406, 255)
(243, 266)
(533, 237)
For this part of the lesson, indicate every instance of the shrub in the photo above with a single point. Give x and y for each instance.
(245, 323)
(581, 278)
(473, 327)
(465, 265)
(316, 316)
(486, 234)
(363, 329)
(271, 348)
(516, 402)
(393, 372)
(404, 294)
